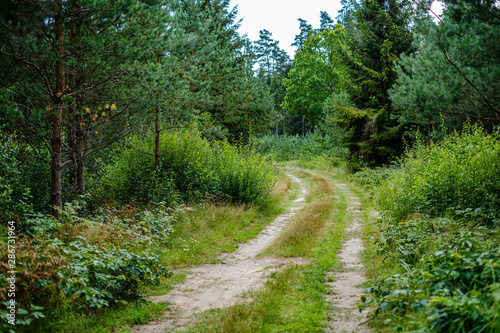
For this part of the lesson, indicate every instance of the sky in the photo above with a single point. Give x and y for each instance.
(280, 17)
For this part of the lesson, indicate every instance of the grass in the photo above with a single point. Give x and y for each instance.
(315, 163)
(110, 320)
(300, 236)
(200, 232)
(293, 299)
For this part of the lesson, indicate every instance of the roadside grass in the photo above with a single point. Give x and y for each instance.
(109, 319)
(200, 232)
(293, 299)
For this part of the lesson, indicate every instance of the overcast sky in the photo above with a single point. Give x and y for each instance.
(280, 17)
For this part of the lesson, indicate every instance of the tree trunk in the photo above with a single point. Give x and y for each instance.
(157, 124)
(56, 139)
(80, 162)
(157, 138)
(77, 117)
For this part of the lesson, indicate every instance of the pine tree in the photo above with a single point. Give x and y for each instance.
(235, 100)
(454, 75)
(304, 33)
(75, 76)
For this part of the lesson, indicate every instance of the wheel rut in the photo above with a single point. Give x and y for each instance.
(345, 317)
(220, 285)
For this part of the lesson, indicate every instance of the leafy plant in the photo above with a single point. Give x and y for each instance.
(89, 276)
(244, 176)
(449, 276)
(189, 169)
(460, 175)
(98, 278)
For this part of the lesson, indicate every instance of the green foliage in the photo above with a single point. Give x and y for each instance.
(243, 175)
(450, 277)
(377, 33)
(454, 74)
(190, 168)
(286, 148)
(37, 265)
(460, 175)
(100, 277)
(132, 177)
(371, 178)
(447, 270)
(23, 180)
(55, 263)
(317, 73)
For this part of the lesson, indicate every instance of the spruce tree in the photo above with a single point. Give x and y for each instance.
(378, 32)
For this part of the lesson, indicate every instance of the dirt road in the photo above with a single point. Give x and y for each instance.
(345, 317)
(221, 285)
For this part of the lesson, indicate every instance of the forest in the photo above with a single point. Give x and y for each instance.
(140, 139)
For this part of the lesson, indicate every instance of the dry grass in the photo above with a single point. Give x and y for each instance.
(282, 186)
(322, 185)
(293, 299)
(301, 235)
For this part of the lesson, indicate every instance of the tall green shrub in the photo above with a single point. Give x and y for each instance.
(460, 175)
(132, 177)
(190, 168)
(24, 180)
(244, 175)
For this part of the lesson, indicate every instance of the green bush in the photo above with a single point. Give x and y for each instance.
(243, 175)
(440, 228)
(101, 277)
(448, 280)
(24, 180)
(287, 148)
(190, 168)
(371, 178)
(132, 178)
(187, 158)
(87, 276)
(460, 175)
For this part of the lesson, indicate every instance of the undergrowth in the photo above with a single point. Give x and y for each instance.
(460, 176)
(190, 169)
(90, 264)
(301, 148)
(440, 233)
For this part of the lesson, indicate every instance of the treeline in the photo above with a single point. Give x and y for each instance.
(389, 69)
(79, 76)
